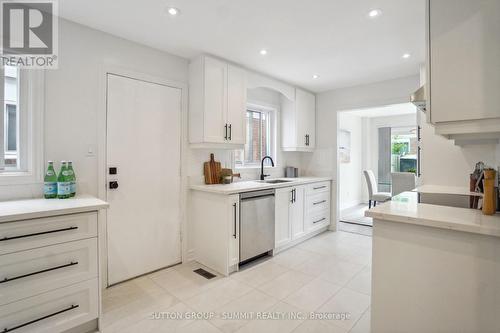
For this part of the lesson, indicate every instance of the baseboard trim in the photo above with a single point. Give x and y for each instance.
(190, 256)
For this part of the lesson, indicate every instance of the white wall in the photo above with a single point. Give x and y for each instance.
(74, 92)
(324, 159)
(351, 174)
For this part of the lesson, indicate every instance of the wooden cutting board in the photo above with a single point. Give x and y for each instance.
(212, 171)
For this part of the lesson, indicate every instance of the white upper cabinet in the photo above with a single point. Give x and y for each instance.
(237, 99)
(298, 126)
(217, 102)
(464, 62)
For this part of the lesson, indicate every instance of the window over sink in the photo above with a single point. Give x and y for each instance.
(261, 137)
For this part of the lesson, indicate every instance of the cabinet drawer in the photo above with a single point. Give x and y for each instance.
(29, 234)
(318, 221)
(52, 312)
(318, 187)
(317, 202)
(31, 272)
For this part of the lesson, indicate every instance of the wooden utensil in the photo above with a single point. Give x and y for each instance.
(212, 171)
(228, 172)
(489, 199)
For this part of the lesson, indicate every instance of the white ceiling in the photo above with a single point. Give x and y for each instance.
(332, 38)
(384, 111)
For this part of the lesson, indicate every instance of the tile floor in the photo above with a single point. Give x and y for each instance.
(356, 214)
(330, 273)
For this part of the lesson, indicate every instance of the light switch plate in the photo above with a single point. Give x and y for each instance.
(91, 151)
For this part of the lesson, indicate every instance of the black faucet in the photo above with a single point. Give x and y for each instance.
(262, 175)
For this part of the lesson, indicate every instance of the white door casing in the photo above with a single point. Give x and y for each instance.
(144, 143)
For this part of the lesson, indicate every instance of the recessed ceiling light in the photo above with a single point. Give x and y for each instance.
(374, 13)
(315, 76)
(263, 52)
(173, 11)
(406, 56)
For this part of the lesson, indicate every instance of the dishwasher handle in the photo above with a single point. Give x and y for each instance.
(256, 195)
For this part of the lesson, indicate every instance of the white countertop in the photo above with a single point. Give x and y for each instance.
(35, 208)
(404, 208)
(253, 185)
(439, 189)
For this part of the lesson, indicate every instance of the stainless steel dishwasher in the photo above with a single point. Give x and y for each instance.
(256, 224)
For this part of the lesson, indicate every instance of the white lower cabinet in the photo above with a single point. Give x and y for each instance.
(216, 223)
(289, 215)
(297, 212)
(300, 211)
(283, 227)
(49, 278)
(55, 311)
(234, 235)
(27, 273)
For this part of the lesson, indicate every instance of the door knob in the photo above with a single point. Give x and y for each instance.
(113, 185)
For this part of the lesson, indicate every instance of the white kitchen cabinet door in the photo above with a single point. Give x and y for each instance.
(298, 122)
(464, 60)
(234, 228)
(297, 213)
(217, 104)
(306, 118)
(237, 105)
(283, 231)
(215, 101)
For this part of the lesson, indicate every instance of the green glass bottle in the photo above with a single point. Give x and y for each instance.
(50, 182)
(63, 184)
(72, 179)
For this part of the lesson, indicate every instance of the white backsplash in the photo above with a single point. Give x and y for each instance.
(198, 156)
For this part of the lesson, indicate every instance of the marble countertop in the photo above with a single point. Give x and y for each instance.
(35, 208)
(439, 189)
(255, 185)
(404, 208)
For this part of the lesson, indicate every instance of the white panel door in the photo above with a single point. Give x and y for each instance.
(297, 213)
(283, 232)
(143, 142)
(237, 105)
(215, 101)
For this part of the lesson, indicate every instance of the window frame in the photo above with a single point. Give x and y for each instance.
(30, 121)
(272, 113)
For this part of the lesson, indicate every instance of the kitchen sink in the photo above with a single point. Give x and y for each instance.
(274, 181)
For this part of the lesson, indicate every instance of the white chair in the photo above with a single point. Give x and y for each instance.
(402, 182)
(373, 193)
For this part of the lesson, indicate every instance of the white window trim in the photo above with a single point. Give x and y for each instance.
(31, 123)
(273, 111)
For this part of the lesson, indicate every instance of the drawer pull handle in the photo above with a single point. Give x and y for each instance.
(319, 202)
(319, 187)
(5, 330)
(39, 272)
(37, 234)
(324, 218)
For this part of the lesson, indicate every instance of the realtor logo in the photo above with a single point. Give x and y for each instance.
(29, 33)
